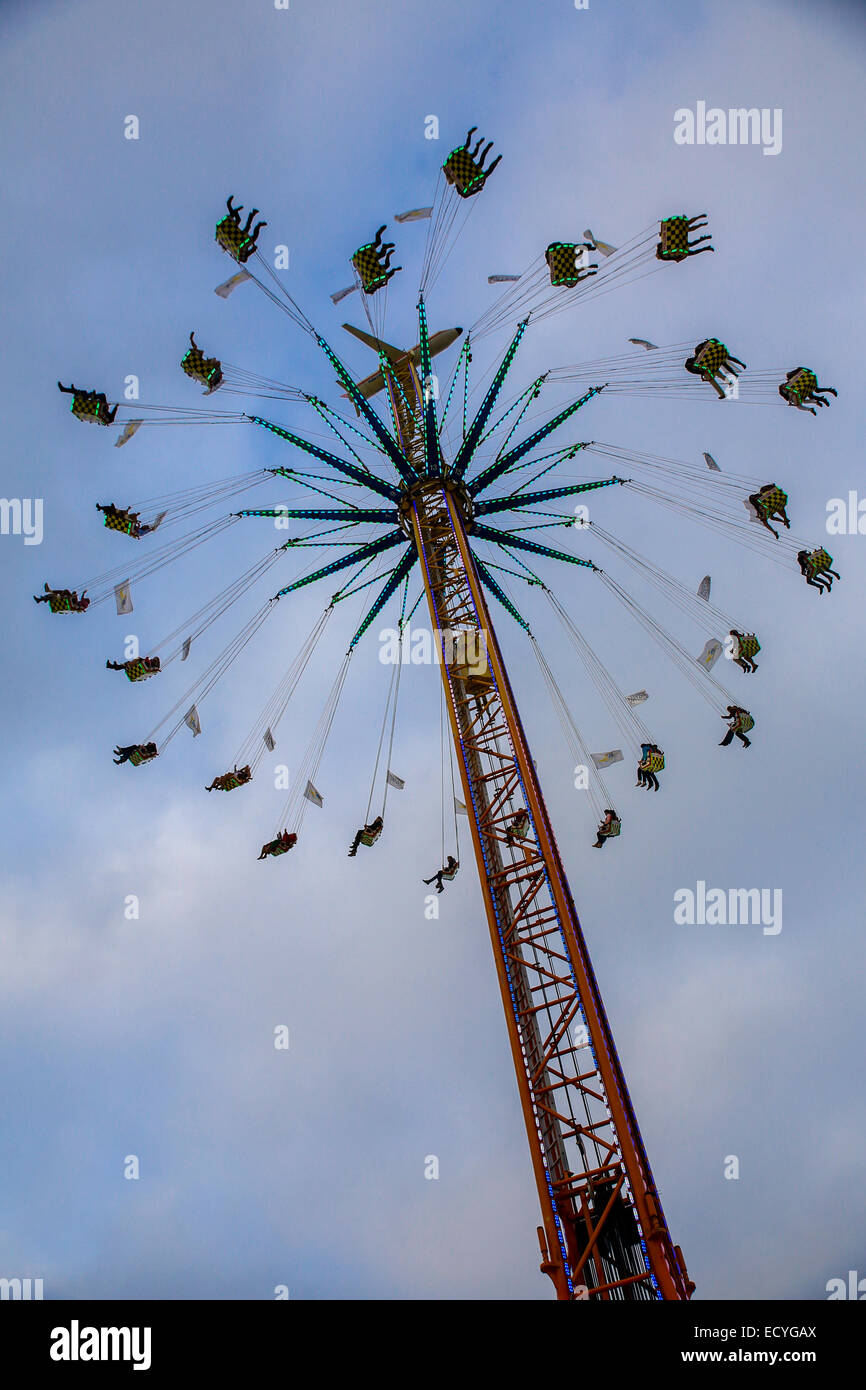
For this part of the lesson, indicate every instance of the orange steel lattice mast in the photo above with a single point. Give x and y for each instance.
(604, 1233)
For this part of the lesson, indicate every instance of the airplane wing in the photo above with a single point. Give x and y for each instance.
(371, 385)
(392, 353)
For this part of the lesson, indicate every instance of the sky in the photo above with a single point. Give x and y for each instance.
(154, 1038)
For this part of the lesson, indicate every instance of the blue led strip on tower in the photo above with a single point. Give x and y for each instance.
(386, 440)
(326, 456)
(470, 443)
(432, 451)
(362, 553)
(508, 460)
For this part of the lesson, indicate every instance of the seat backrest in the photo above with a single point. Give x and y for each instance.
(674, 238)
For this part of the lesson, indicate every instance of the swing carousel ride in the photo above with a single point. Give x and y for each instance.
(453, 489)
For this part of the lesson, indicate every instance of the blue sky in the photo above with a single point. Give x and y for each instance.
(154, 1037)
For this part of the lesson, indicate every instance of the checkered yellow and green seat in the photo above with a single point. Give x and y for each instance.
(369, 267)
(562, 258)
(462, 171)
(239, 245)
(673, 238)
(653, 762)
(712, 357)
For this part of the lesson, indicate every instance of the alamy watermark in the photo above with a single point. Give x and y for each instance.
(719, 907)
(854, 1289)
(464, 647)
(22, 516)
(23, 1289)
(77, 1343)
(737, 126)
(846, 517)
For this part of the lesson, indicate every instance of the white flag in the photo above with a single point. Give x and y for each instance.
(225, 289)
(501, 279)
(637, 698)
(711, 653)
(394, 781)
(704, 588)
(341, 294)
(460, 808)
(414, 215)
(191, 720)
(269, 741)
(711, 464)
(186, 646)
(123, 598)
(128, 431)
(312, 795)
(605, 759)
(644, 343)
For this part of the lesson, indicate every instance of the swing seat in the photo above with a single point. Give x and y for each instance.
(801, 385)
(773, 501)
(369, 264)
(89, 407)
(140, 755)
(239, 245)
(748, 645)
(275, 847)
(743, 724)
(464, 173)
(369, 837)
(205, 370)
(140, 670)
(653, 762)
(712, 357)
(449, 874)
(612, 830)
(119, 519)
(562, 259)
(673, 239)
(817, 561)
(230, 780)
(65, 601)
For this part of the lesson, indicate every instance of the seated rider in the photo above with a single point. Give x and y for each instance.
(122, 519)
(240, 242)
(138, 667)
(674, 232)
(769, 503)
(611, 825)
(710, 358)
(747, 646)
(518, 827)
(646, 776)
(464, 167)
(448, 872)
(815, 567)
(89, 405)
(63, 599)
(367, 835)
(280, 845)
(740, 721)
(801, 385)
(228, 781)
(135, 753)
